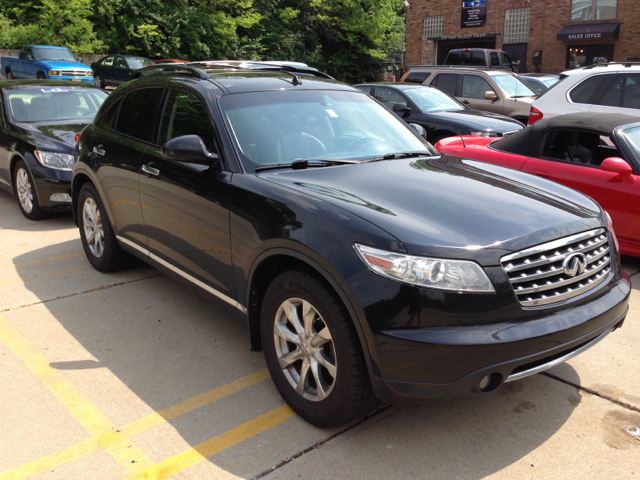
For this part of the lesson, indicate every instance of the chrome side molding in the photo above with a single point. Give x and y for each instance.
(183, 274)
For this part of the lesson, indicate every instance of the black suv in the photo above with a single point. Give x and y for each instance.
(368, 265)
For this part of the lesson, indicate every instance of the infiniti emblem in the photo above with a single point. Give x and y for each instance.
(574, 264)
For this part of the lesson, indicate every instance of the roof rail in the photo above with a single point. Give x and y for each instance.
(289, 67)
(170, 68)
(625, 64)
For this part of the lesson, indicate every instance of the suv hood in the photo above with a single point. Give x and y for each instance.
(448, 206)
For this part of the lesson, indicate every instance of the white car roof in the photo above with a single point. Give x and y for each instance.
(605, 67)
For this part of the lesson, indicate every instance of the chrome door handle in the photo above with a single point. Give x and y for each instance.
(98, 150)
(150, 170)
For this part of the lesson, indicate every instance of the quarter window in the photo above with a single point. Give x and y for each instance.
(108, 118)
(589, 90)
(474, 86)
(416, 77)
(138, 112)
(185, 114)
(589, 10)
(447, 82)
(365, 89)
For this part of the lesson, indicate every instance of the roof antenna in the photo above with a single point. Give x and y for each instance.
(462, 138)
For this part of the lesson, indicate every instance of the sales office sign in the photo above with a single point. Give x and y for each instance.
(474, 13)
(580, 36)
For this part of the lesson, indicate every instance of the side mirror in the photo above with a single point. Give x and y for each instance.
(490, 95)
(401, 107)
(619, 166)
(188, 149)
(419, 130)
(28, 57)
(80, 59)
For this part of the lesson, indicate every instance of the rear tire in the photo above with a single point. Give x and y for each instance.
(313, 351)
(25, 190)
(98, 239)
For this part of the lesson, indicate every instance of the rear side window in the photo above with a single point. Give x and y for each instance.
(611, 98)
(108, 118)
(107, 62)
(474, 86)
(632, 92)
(185, 114)
(447, 82)
(365, 89)
(416, 77)
(495, 62)
(590, 89)
(138, 113)
(465, 58)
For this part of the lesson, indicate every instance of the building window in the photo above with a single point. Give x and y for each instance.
(590, 10)
(516, 25)
(433, 27)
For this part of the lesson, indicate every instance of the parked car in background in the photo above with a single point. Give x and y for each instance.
(170, 60)
(479, 57)
(601, 88)
(46, 62)
(114, 70)
(541, 82)
(598, 154)
(39, 125)
(439, 113)
(366, 263)
(490, 90)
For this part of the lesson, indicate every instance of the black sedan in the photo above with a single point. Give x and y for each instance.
(114, 70)
(40, 122)
(439, 113)
(366, 264)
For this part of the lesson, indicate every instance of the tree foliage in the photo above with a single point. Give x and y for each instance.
(346, 38)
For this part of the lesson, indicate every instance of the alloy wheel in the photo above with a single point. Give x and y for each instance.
(93, 229)
(25, 192)
(305, 349)
(97, 81)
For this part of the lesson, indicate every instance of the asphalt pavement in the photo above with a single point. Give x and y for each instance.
(131, 376)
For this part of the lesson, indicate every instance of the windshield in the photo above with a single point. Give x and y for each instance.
(54, 54)
(433, 100)
(138, 62)
(632, 136)
(53, 104)
(279, 127)
(513, 86)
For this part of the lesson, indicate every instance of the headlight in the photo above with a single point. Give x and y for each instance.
(455, 275)
(58, 161)
(611, 232)
(485, 134)
(54, 73)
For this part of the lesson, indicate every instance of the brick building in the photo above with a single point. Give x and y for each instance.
(566, 33)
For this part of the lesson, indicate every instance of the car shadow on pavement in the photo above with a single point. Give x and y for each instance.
(145, 343)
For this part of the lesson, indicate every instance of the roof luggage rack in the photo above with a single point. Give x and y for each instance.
(166, 68)
(289, 67)
(624, 64)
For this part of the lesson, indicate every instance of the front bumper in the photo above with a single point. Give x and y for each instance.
(49, 182)
(435, 345)
(74, 79)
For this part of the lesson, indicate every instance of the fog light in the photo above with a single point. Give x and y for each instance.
(484, 383)
(60, 197)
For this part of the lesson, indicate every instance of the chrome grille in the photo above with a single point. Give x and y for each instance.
(538, 274)
(76, 73)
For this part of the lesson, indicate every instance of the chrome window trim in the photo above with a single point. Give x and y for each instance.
(183, 274)
(568, 96)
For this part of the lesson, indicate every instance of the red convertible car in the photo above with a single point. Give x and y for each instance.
(597, 154)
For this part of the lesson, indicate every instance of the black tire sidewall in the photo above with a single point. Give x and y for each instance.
(36, 212)
(297, 285)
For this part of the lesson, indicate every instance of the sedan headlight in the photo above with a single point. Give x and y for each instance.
(455, 275)
(54, 73)
(485, 134)
(57, 161)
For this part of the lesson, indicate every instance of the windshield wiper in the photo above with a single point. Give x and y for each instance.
(303, 164)
(392, 156)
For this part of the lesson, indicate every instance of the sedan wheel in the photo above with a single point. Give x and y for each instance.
(313, 350)
(305, 349)
(26, 192)
(92, 223)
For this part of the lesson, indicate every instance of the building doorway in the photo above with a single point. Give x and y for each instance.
(445, 45)
(518, 53)
(582, 56)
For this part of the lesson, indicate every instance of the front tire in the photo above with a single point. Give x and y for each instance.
(313, 352)
(98, 238)
(26, 192)
(41, 76)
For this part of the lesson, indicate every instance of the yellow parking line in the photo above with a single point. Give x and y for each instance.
(197, 454)
(52, 274)
(40, 262)
(130, 457)
(110, 437)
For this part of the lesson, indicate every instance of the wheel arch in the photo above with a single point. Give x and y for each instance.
(76, 184)
(275, 261)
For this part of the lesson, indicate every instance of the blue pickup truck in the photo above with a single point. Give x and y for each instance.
(46, 62)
